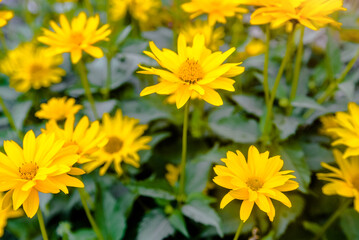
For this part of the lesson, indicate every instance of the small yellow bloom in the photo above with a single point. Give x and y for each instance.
(194, 71)
(58, 109)
(43, 165)
(343, 181)
(172, 174)
(88, 138)
(5, 16)
(328, 122)
(217, 10)
(118, 9)
(29, 67)
(6, 212)
(124, 140)
(254, 48)
(77, 37)
(255, 181)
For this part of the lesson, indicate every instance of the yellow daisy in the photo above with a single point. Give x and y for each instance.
(213, 36)
(328, 122)
(77, 37)
(194, 70)
(5, 16)
(172, 174)
(118, 9)
(43, 165)
(58, 109)
(343, 181)
(7, 212)
(125, 139)
(347, 130)
(310, 13)
(88, 138)
(255, 181)
(29, 67)
(217, 10)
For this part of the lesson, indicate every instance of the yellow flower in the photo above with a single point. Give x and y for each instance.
(172, 173)
(58, 109)
(5, 213)
(77, 37)
(43, 165)
(217, 10)
(213, 36)
(347, 130)
(254, 48)
(328, 122)
(124, 136)
(88, 138)
(118, 9)
(343, 181)
(310, 13)
(29, 66)
(193, 71)
(5, 16)
(255, 181)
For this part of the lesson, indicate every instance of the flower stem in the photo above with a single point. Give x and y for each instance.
(85, 84)
(181, 193)
(3, 41)
(89, 7)
(88, 214)
(106, 92)
(265, 69)
(268, 116)
(9, 117)
(298, 61)
(42, 224)
(239, 229)
(332, 218)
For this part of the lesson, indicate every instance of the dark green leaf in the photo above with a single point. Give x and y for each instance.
(154, 226)
(349, 221)
(312, 227)
(153, 188)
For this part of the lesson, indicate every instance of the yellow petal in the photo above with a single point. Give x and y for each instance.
(225, 200)
(31, 205)
(246, 209)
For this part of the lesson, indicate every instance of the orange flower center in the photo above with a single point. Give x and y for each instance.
(113, 145)
(254, 183)
(36, 71)
(355, 182)
(28, 170)
(77, 38)
(190, 71)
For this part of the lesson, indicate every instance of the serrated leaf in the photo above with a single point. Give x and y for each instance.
(154, 226)
(306, 102)
(201, 213)
(287, 125)
(251, 104)
(349, 221)
(153, 188)
(177, 221)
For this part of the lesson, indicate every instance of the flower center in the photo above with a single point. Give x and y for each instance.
(190, 71)
(355, 182)
(36, 71)
(254, 183)
(113, 145)
(77, 38)
(28, 170)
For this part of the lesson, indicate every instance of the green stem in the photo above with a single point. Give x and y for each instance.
(85, 84)
(9, 117)
(89, 7)
(108, 77)
(94, 226)
(3, 41)
(239, 229)
(181, 193)
(332, 218)
(42, 224)
(265, 69)
(298, 61)
(268, 116)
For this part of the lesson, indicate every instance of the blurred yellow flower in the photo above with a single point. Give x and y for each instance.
(29, 66)
(310, 13)
(328, 122)
(213, 36)
(124, 140)
(58, 109)
(44, 165)
(77, 37)
(217, 10)
(347, 130)
(254, 48)
(5, 16)
(194, 70)
(343, 181)
(88, 138)
(118, 9)
(172, 173)
(7, 212)
(255, 181)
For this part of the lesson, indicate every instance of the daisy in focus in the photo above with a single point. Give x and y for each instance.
(256, 181)
(343, 181)
(5, 16)
(29, 66)
(124, 139)
(193, 72)
(80, 36)
(44, 164)
(58, 109)
(217, 10)
(7, 212)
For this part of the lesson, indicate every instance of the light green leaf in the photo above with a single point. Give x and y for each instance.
(349, 221)
(153, 188)
(154, 226)
(251, 104)
(306, 102)
(19, 113)
(177, 221)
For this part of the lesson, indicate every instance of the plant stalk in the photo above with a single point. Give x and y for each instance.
(265, 68)
(42, 224)
(239, 229)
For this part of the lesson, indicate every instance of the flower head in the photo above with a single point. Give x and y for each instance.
(310, 13)
(5, 16)
(58, 109)
(194, 71)
(29, 66)
(257, 181)
(343, 181)
(172, 174)
(43, 165)
(7, 212)
(217, 10)
(77, 37)
(124, 140)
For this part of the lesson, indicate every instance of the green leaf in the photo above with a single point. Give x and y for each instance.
(349, 222)
(306, 102)
(154, 226)
(153, 188)
(315, 154)
(201, 213)
(101, 107)
(252, 104)
(19, 112)
(156, 138)
(312, 227)
(287, 125)
(195, 182)
(177, 221)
